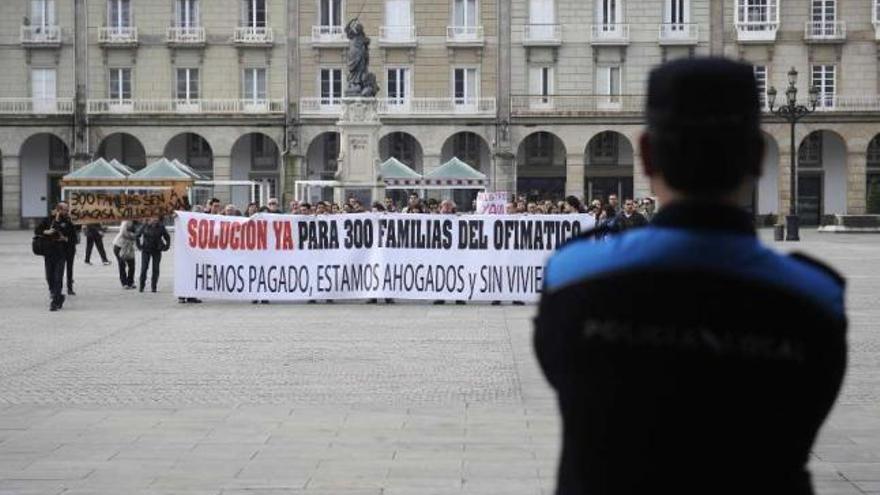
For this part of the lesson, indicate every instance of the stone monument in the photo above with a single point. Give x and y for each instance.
(359, 125)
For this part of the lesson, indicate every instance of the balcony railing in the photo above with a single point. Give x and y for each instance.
(542, 35)
(756, 31)
(397, 35)
(609, 34)
(41, 35)
(465, 35)
(575, 105)
(186, 35)
(178, 107)
(329, 36)
(127, 35)
(36, 106)
(250, 35)
(407, 107)
(827, 32)
(679, 34)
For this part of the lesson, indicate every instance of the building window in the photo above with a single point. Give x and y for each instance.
(810, 152)
(873, 155)
(398, 19)
(541, 85)
(757, 15)
(398, 85)
(187, 84)
(761, 80)
(42, 13)
(119, 13)
(464, 86)
(43, 90)
(542, 17)
(677, 14)
(254, 85)
(466, 147)
(609, 13)
(58, 156)
(539, 150)
(253, 13)
(401, 146)
(331, 155)
(824, 11)
(823, 77)
(331, 12)
(186, 14)
(876, 10)
(120, 84)
(264, 153)
(608, 85)
(331, 86)
(464, 13)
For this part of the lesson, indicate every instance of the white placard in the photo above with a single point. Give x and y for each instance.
(492, 203)
(299, 257)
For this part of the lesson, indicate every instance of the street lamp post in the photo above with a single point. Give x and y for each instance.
(792, 113)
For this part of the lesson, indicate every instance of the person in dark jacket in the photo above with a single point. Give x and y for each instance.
(95, 239)
(152, 239)
(56, 230)
(630, 218)
(687, 358)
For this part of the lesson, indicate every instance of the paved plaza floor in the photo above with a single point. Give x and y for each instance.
(128, 393)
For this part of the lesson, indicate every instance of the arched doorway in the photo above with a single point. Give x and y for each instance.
(404, 147)
(608, 167)
(255, 157)
(322, 162)
(872, 178)
(124, 148)
(193, 150)
(766, 197)
(44, 159)
(821, 180)
(540, 167)
(472, 149)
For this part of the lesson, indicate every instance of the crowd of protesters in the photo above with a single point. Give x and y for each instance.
(609, 214)
(151, 238)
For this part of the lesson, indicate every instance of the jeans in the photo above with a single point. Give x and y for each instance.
(54, 265)
(95, 242)
(126, 268)
(156, 257)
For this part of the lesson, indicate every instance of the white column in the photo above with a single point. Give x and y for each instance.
(11, 192)
(575, 181)
(641, 184)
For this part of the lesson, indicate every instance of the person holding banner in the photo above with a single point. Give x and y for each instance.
(95, 239)
(152, 239)
(686, 356)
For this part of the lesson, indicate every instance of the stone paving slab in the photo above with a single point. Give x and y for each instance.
(131, 393)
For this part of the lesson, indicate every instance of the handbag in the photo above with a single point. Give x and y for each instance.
(127, 251)
(40, 245)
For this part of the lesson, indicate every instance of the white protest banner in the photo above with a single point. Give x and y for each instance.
(299, 257)
(492, 203)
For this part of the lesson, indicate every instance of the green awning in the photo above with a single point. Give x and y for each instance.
(99, 169)
(161, 169)
(455, 169)
(394, 169)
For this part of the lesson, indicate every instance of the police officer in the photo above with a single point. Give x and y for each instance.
(56, 231)
(686, 356)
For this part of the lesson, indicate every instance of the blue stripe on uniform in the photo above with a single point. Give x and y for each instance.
(664, 247)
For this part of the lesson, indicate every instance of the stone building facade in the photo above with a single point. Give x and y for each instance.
(542, 96)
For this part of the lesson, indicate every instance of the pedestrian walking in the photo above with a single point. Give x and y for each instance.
(70, 255)
(51, 241)
(125, 251)
(152, 239)
(95, 239)
(687, 357)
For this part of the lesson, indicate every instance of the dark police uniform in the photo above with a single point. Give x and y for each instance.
(56, 254)
(689, 358)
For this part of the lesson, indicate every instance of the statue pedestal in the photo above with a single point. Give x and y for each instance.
(359, 151)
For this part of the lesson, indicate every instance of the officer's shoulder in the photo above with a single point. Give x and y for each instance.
(819, 265)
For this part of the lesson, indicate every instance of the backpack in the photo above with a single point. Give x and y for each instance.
(40, 245)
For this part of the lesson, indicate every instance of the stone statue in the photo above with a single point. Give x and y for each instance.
(361, 82)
